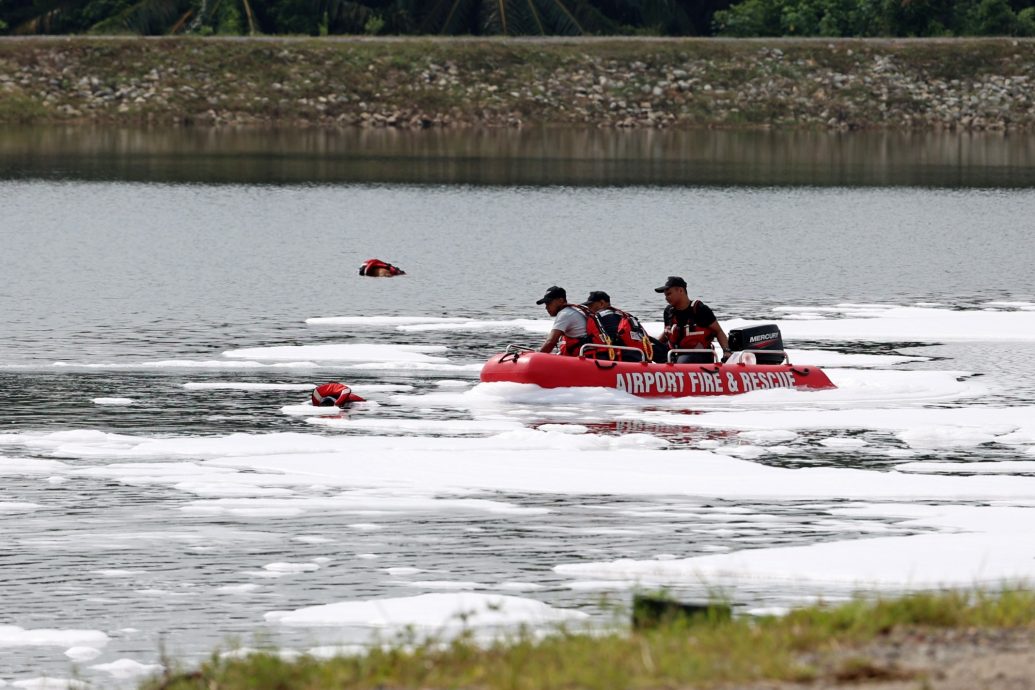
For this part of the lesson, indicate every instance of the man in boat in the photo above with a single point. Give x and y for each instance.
(375, 268)
(689, 324)
(569, 323)
(621, 328)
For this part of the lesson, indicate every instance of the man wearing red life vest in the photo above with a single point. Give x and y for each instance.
(569, 323)
(621, 328)
(689, 324)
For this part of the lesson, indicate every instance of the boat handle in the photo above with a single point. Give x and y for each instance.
(800, 372)
(509, 357)
(614, 363)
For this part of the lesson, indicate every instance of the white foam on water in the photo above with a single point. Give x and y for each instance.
(403, 570)
(445, 584)
(453, 383)
(1000, 467)
(992, 551)
(185, 364)
(79, 654)
(439, 612)
(768, 437)
(417, 426)
(128, 668)
(307, 409)
(564, 428)
(49, 683)
(113, 401)
(18, 507)
(927, 428)
(897, 562)
(944, 437)
(26, 466)
(428, 367)
(361, 389)
(891, 323)
(504, 394)
(116, 572)
(230, 489)
(1027, 306)
(829, 358)
(357, 503)
(291, 567)
(536, 326)
(313, 539)
(14, 636)
(842, 443)
(525, 460)
(349, 352)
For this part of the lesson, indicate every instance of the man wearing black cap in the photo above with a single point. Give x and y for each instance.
(569, 323)
(621, 327)
(689, 324)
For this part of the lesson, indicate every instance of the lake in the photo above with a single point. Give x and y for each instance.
(169, 299)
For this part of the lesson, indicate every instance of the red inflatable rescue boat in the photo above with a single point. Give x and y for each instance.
(754, 365)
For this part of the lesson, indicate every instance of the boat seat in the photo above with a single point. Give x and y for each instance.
(762, 357)
(702, 357)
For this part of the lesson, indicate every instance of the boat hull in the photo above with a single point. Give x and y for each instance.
(650, 380)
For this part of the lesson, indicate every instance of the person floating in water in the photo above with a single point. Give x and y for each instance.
(334, 394)
(375, 268)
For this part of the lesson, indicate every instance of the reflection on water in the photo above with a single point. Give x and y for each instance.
(525, 157)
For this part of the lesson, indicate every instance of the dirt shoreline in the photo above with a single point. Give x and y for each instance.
(925, 659)
(919, 84)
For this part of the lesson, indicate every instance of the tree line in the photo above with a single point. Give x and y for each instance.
(831, 18)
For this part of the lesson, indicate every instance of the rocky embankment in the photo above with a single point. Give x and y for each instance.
(980, 84)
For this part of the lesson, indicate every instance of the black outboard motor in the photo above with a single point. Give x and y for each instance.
(765, 341)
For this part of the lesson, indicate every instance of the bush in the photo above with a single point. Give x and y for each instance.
(1026, 22)
(799, 18)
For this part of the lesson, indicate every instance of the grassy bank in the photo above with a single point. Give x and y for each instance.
(973, 84)
(859, 641)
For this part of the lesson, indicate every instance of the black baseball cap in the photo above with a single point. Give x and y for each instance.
(553, 292)
(673, 281)
(595, 296)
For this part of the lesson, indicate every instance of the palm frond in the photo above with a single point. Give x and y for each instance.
(558, 18)
(147, 18)
(43, 16)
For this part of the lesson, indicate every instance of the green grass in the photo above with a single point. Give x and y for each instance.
(674, 654)
(21, 109)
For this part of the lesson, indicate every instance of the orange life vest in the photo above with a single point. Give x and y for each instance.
(627, 332)
(595, 334)
(682, 338)
(334, 393)
(370, 264)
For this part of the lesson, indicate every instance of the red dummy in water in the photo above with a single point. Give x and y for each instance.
(334, 393)
(375, 268)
